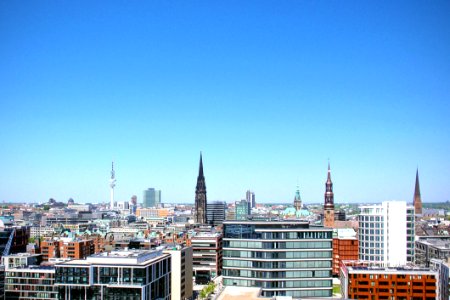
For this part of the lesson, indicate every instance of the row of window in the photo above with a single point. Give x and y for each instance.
(277, 255)
(276, 274)
(277, 245)
(277, 265)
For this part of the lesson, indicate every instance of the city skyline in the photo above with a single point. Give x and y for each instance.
(267, 91)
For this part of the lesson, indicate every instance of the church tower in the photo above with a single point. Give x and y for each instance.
(200, 196)
(328, 207)
(417, 202)
(297, 200)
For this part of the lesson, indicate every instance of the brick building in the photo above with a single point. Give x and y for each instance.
(362, 281)
(345, 247)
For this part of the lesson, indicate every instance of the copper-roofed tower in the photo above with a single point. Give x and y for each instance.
(417, 202)
(328, 207)
(200, 196)
(297, 200)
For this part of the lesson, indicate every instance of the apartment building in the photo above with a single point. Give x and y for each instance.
(207, 256)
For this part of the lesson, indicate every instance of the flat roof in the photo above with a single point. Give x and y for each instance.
(240, 293)
(390, 270)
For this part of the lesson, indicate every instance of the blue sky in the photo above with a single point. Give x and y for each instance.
(268, 90)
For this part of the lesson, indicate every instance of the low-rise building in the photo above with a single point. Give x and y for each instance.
(345, 247)
(427, 248)
(124, 274)
(375, 282)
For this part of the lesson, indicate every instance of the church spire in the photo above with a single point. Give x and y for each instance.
(417, 202)
(297, 200)
(328, 207)
(200, 195)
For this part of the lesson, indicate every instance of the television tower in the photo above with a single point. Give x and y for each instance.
(112, 184)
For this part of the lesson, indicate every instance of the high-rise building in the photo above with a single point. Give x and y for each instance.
(283, 258)
(417, 201)
(386, 233)
(328, 207)
(250, 197)
(215, 212)
(200, 196)
(112, 184)
(241, 210)
(151, 198)
(297, 200)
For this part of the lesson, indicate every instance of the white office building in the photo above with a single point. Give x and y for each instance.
(386, 233)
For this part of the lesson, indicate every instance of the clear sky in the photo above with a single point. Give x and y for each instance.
(268, 90)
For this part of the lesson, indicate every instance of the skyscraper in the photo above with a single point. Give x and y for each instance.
(200, 196)
(250, 197)
(151, 198)
(328, 208)
(417, 202)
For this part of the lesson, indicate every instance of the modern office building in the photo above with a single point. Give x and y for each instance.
(386, 233)
(345, 247)
(428, 248)
(200, 196)
(124, 274)
(241, 210)
(283, 258)
(362, 281)
(250, 197)
(215, 212)
(207, 256)
(181, 273)
(151, 198)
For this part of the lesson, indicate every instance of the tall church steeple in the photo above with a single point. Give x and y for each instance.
(200, 195)
(328, 207)
(417, 202)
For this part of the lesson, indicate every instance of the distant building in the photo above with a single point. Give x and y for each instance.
(283, 258)
(386, 233)
(345, 247)
(361, 281)
(74, 249)
(417, 200)
(151, 198)
(428, 248)
(250, 197)
(297, 200)
(241, 210)
(328, 207)
(215, 212)
(207, 260)
(124, 274)
(200, 196)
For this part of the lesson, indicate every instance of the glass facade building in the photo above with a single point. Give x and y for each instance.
(131, 275)
(283, 258)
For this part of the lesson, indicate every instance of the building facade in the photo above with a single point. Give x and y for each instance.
(181, 273)
(215, 212)
(207, 256)
(151, 198)
(386, 233)
(345, 247)
(241, 210)
(200, 196)
(124, 274)
(360, 281)
(428, 248)
(283, 258)
(250, 197)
